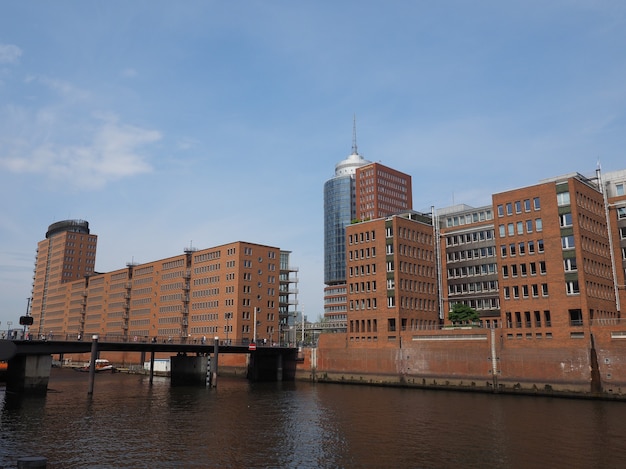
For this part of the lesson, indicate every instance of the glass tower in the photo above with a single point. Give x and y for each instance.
(339, 211)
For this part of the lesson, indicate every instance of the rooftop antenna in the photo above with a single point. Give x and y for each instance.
(354, 149)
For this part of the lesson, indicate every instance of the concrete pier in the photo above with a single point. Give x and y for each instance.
(29, 374)
(188, 370)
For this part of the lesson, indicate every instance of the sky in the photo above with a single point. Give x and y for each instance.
(174, 124)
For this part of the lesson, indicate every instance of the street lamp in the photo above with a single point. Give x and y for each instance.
(254, 330)
(227, 326)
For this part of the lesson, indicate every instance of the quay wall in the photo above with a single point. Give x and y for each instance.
(593, 364)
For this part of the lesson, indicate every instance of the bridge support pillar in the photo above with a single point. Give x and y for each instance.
(268, 364)
(279, 367)
(29, 374)
(188, 371)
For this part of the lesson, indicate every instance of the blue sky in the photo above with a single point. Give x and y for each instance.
(204, 122)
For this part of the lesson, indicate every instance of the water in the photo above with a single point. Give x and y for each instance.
(129, 424)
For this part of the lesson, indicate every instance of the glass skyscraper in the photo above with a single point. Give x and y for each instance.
(339, 211)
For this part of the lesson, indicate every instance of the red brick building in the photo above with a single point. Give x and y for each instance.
(554, 259)
(67, 254)
(379, 191)
(392, 278)
(201, 293)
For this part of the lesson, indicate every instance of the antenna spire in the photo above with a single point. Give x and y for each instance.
(354, 149)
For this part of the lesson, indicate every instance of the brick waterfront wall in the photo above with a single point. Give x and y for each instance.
(463, 359)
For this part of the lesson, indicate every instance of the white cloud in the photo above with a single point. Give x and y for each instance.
(129, 73)
(62, 88)
(9, 53)
(112, 153)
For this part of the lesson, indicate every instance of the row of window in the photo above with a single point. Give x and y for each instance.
(522, 248)
(473, 287)
(359, 270)
(518, 205)
(527, 319)
(362, 287)
(465, 238)
(415, 286)
(484, 304)
(469, 218)
(362, 237)
(365, 253)
(471, 270)
(532, 268)
(478, 253)
(512, 229)
(411, 251)
(514, 291)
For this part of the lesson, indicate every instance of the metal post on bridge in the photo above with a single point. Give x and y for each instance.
(216, 346)
(151, 367)
(92, 362)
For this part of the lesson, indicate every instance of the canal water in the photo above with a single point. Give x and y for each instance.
(127, 423)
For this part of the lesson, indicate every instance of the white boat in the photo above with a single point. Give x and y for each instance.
(102, 364)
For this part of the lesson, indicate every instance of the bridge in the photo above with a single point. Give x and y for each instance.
(194, 362)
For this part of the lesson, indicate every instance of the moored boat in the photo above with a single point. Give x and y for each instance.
(102, 364)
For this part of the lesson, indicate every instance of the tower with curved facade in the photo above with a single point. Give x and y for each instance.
(67, 254)
(360, 189)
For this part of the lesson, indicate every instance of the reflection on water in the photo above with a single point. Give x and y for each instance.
(128, 423)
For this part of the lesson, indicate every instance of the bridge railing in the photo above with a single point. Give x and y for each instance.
(169, 339)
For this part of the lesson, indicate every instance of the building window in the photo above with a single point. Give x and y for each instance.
(542, 267)
(538, 225)
(567, 242)
(540, 245)
(621, 213)
(570, 265)
(572, 288)
(535, 290)
(537, 203)
(518, 207)
(500, 210)
(502, 231)
(509, 208)
(562, 199)
(565, 219)
(511, 229)
(512, 248)
(527, 205)
(619, 189)
(505, 271)
(547, 320)
(522, 249)
(544, 289)
(529, 226)
(520, 227)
